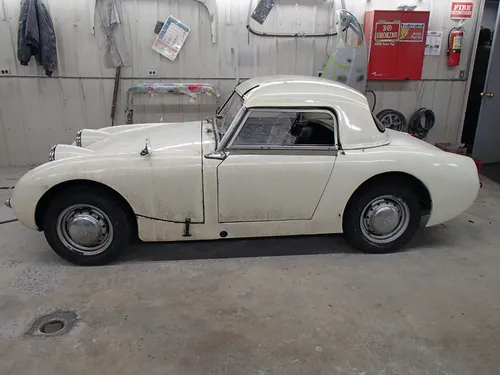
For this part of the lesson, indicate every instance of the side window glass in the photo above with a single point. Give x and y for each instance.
(275, 128)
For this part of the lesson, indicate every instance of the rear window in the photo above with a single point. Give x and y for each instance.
(380, 126)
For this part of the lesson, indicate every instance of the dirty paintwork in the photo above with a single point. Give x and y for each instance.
(149, 184)
(284, 197)
(252, 193)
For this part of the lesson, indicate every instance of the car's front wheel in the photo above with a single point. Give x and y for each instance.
(87, 228)
(382, 218)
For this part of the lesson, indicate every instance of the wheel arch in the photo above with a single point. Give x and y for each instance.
(417, 185)
(60, 188)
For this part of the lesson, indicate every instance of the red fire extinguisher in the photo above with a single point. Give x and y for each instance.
(455, 46)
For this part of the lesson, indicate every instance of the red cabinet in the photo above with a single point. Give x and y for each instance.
(396, 44)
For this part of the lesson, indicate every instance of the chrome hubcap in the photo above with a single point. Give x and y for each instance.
(385, 219)
(85, 229)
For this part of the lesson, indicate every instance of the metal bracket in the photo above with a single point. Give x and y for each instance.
(212, 10)
(187, 228)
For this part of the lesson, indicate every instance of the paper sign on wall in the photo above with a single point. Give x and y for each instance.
(433, 43)
(171, 38)
(412, 32)
(387, 32)
(461, 10)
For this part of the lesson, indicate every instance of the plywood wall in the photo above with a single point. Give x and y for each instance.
(37, 112)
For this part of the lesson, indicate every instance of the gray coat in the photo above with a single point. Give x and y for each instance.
(37, 36)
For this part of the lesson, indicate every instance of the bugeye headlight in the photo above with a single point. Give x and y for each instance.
(52, 153)
(78, 139)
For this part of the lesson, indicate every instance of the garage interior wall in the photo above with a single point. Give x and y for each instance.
(37, 112)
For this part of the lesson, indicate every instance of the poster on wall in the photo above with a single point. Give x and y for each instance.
(461, 10)
(412, 32)
(171, 38)
(433, 43)
(387, 32)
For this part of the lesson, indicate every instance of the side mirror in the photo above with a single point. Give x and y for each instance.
(147, 149)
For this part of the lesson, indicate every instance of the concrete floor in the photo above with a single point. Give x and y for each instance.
(258, 307)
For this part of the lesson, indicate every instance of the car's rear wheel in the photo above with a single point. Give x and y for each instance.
(382, 218)
(87, 228)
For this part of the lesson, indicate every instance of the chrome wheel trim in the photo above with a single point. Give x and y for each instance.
(85, 229)
(385, 219)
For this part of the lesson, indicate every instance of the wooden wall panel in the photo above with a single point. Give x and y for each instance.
(36, 112)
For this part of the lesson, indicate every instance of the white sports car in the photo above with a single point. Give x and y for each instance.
(284, 156)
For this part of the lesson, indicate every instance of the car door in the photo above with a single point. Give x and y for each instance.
(278, 165)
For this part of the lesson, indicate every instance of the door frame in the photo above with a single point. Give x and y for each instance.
(481, 122)
(479, 17)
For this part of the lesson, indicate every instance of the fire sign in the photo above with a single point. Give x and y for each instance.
(412, 32)
(461, 10)
(387, 32)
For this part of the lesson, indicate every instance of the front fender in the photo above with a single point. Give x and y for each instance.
(130, 177)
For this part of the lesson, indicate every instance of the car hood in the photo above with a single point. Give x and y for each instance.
(164, 138)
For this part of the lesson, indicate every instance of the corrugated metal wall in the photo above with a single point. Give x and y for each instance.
(36, 112)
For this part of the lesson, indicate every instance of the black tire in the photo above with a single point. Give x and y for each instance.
(388, 116)
(109, 204)
(362, 198)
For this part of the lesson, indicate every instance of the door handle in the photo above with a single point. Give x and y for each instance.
(487, 94)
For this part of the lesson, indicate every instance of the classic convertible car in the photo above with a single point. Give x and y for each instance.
(284, 156)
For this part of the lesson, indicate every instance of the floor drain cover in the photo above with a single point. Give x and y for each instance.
(52, 327)
(53, 324)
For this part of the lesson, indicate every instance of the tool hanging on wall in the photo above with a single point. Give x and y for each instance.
(348, 62)
(115, 94)
(116, 53)
(261, 12)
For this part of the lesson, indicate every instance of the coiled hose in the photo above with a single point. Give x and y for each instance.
(421, 122)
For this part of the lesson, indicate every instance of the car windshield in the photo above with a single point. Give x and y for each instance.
(228, 113)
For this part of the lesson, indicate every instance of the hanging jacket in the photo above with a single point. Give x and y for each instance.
(36, 36)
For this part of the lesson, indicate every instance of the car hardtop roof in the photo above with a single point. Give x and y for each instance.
(290, 84)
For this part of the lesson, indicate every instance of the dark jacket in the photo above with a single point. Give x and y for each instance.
(37, 36)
